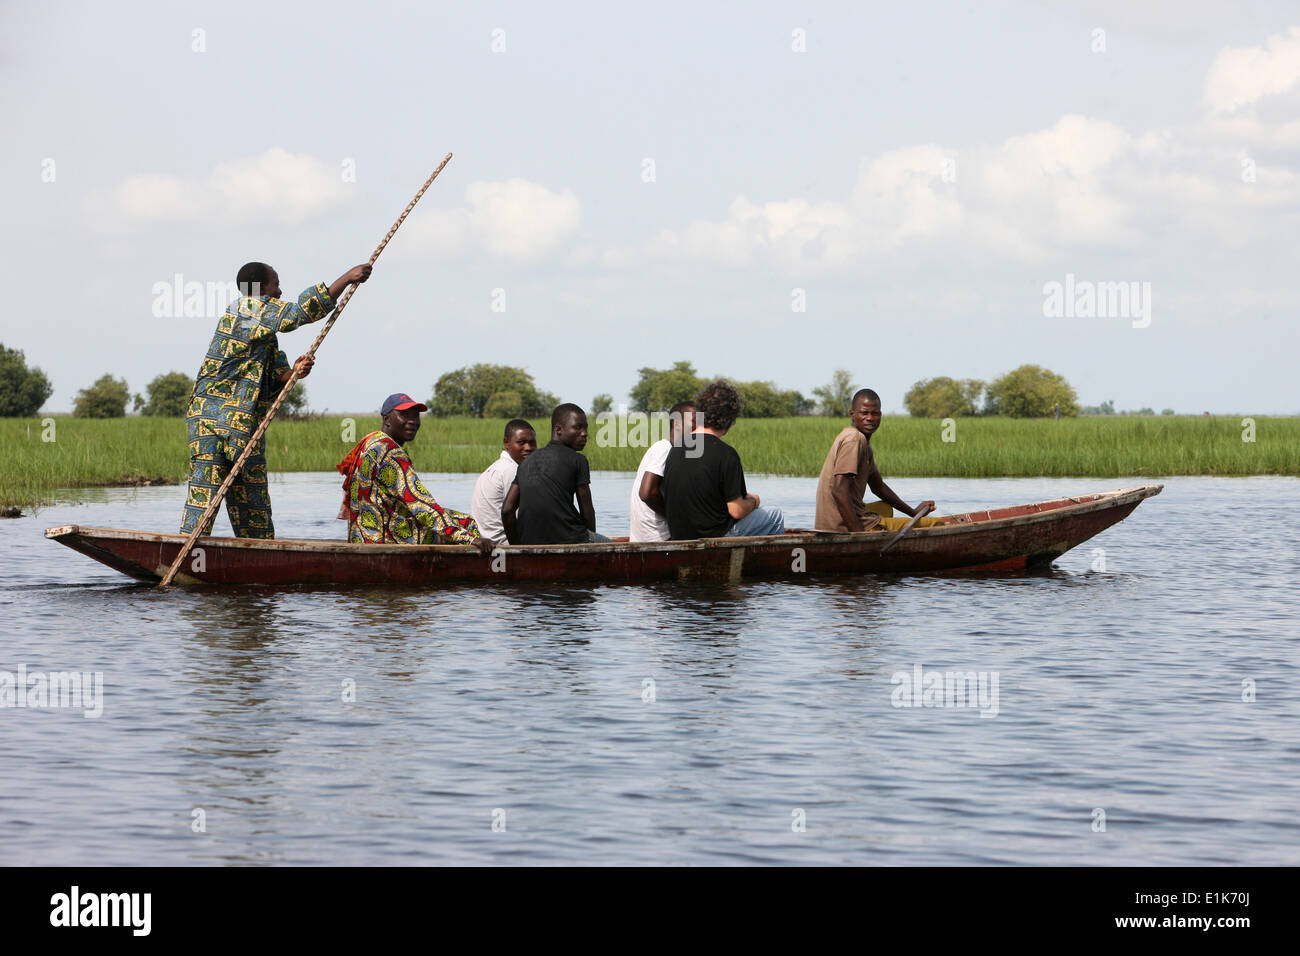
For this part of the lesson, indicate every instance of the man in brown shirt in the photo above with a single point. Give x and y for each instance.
(850, 469)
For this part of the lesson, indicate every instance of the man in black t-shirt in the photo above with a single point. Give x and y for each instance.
(546, 484)
(704, 485)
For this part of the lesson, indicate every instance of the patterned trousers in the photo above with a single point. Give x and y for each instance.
(248, 502)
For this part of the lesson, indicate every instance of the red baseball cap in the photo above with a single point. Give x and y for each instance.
(401, 402)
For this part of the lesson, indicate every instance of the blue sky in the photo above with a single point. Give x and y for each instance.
(920, 172)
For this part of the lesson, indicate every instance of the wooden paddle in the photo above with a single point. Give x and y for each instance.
(908, 527)
(235, 469)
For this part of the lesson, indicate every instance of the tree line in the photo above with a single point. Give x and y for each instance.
(499, 391)
(1108, 408)
(503, 391)
(24, 390)
(1029, 391)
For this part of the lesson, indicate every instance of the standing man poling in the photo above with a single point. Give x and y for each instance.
(241, 375)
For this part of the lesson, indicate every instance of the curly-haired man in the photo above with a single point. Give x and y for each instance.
(703, 486)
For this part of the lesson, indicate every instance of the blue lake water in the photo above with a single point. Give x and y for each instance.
(671, 724)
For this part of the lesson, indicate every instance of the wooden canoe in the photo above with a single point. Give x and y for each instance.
(1003, 539)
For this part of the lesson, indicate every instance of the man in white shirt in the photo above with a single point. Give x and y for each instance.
(647, 505)
(490, 490)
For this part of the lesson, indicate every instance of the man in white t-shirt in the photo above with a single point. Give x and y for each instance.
(647, 505)
(490, 490)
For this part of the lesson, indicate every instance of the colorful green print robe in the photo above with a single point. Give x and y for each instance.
(240, 375)
(236, 384)
(390, 505)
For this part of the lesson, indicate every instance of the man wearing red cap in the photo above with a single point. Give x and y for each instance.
(384, 500)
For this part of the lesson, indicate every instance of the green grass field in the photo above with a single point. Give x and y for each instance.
(86, 452)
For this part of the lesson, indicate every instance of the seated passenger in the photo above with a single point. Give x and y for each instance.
(384, 500)
(849, 469)
(539, 505)
(647, 505)
(491, 488)
(704, 486)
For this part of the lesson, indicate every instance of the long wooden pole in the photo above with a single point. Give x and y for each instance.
(235, 469)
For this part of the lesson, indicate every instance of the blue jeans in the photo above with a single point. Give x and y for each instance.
(594, 538)
(759, 521)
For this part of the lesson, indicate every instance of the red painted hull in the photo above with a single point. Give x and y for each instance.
(1007, 539)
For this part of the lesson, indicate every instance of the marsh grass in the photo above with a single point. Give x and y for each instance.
(94, 452)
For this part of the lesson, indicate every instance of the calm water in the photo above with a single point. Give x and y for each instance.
(1117, 691)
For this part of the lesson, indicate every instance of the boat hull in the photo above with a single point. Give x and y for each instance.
(1009, 539)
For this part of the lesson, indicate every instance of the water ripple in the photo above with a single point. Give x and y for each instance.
(664, 724)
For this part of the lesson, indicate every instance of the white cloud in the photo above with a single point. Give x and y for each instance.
(1082, 184)
(1022, 199)
(514, 220)
(285, 186)
(1240, 76)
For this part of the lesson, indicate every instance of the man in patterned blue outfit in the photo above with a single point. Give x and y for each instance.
(243, 372)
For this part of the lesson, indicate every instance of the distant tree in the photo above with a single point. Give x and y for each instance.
(602, 403)
(107, 398)
(1030, 391)
(467, 391)
(1105, 408)
(23, 390)
(1145, 411)
(295, 403)
(658, 390)
(169, 396)
(759, 399)
(793, 404)
(765, 400)
(504, 405)
(836, 395)
(943, 397)
(1168, 411)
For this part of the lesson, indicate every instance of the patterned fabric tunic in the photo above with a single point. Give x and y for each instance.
(240, 375)
(236, 384)
(390, 505)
